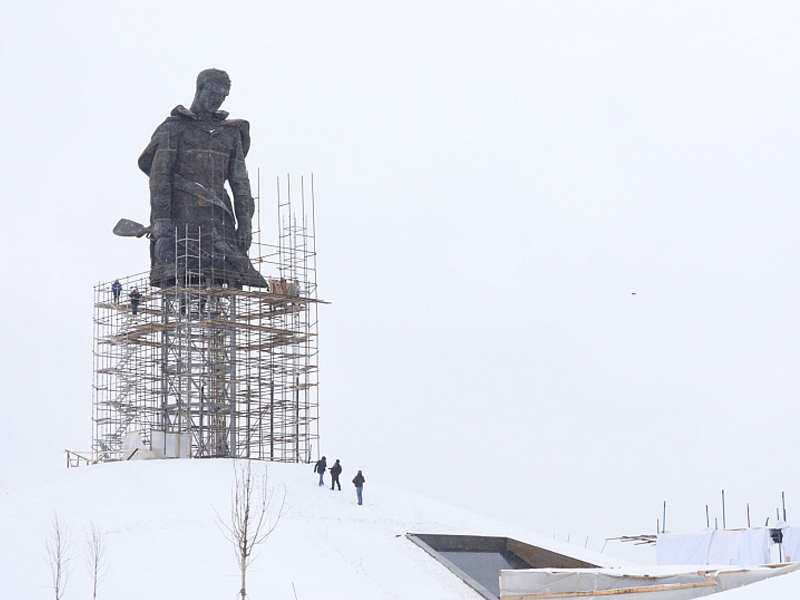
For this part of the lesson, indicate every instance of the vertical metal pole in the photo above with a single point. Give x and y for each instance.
(182, 337)
(164, 362)
(314, 315)
(201, 422)
(248, 396)
(297, 418)
(280, 230)
(723, 510)
(233, 374)
(258, 217)
(97, 377)
(194, 379)
(272, 411)
(783, 502)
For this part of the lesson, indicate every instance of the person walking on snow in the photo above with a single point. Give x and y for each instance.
(358, 481)
(320, 467)
(336, 470)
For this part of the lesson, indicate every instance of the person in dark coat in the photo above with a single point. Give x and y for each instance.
(336, 470)
(358, 481)
(320, 467)
(116, 288)
(135, 297)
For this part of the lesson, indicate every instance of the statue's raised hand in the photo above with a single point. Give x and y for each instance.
(162, 228)
(163, 232)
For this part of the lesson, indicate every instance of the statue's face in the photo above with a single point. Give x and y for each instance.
(212, 96)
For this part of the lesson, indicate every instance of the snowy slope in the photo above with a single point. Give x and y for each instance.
(163, 540)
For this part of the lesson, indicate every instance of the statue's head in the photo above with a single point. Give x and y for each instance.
(213, 76)
(213, 86)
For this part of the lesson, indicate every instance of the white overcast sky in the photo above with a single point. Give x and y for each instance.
(494, 183)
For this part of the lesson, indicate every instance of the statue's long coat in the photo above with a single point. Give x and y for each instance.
(208, 153)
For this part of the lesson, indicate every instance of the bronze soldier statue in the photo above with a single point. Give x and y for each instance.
(194, 226)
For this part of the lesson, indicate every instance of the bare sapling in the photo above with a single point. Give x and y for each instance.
(59, 556)
(254, 514)
(95, 556)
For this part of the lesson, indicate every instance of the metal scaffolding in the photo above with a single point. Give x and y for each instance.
(206, 370)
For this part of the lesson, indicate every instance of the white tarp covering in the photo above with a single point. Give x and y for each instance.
(134, 449)
(684, 548)
(791, 543)
(744, 547)
(170, 445)
(567, 584)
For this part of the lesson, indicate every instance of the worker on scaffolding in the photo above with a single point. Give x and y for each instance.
(116, 289)
(135, 297)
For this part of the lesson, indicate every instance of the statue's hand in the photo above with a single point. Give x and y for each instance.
(162, 228)
(244, 237)
(163, 232)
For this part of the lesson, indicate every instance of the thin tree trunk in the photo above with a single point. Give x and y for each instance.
(253, 517)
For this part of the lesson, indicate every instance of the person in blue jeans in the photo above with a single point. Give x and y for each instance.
(336, 470)
(320, 467)
(358, 481)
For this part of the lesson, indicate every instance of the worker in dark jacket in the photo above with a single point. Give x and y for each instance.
(135, 297)
(320, 467)
(116, 289)
(336, 470)
(358, 481)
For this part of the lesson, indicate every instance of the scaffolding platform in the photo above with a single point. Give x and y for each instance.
(202, 369)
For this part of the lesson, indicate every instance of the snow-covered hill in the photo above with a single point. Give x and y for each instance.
(163, 540)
